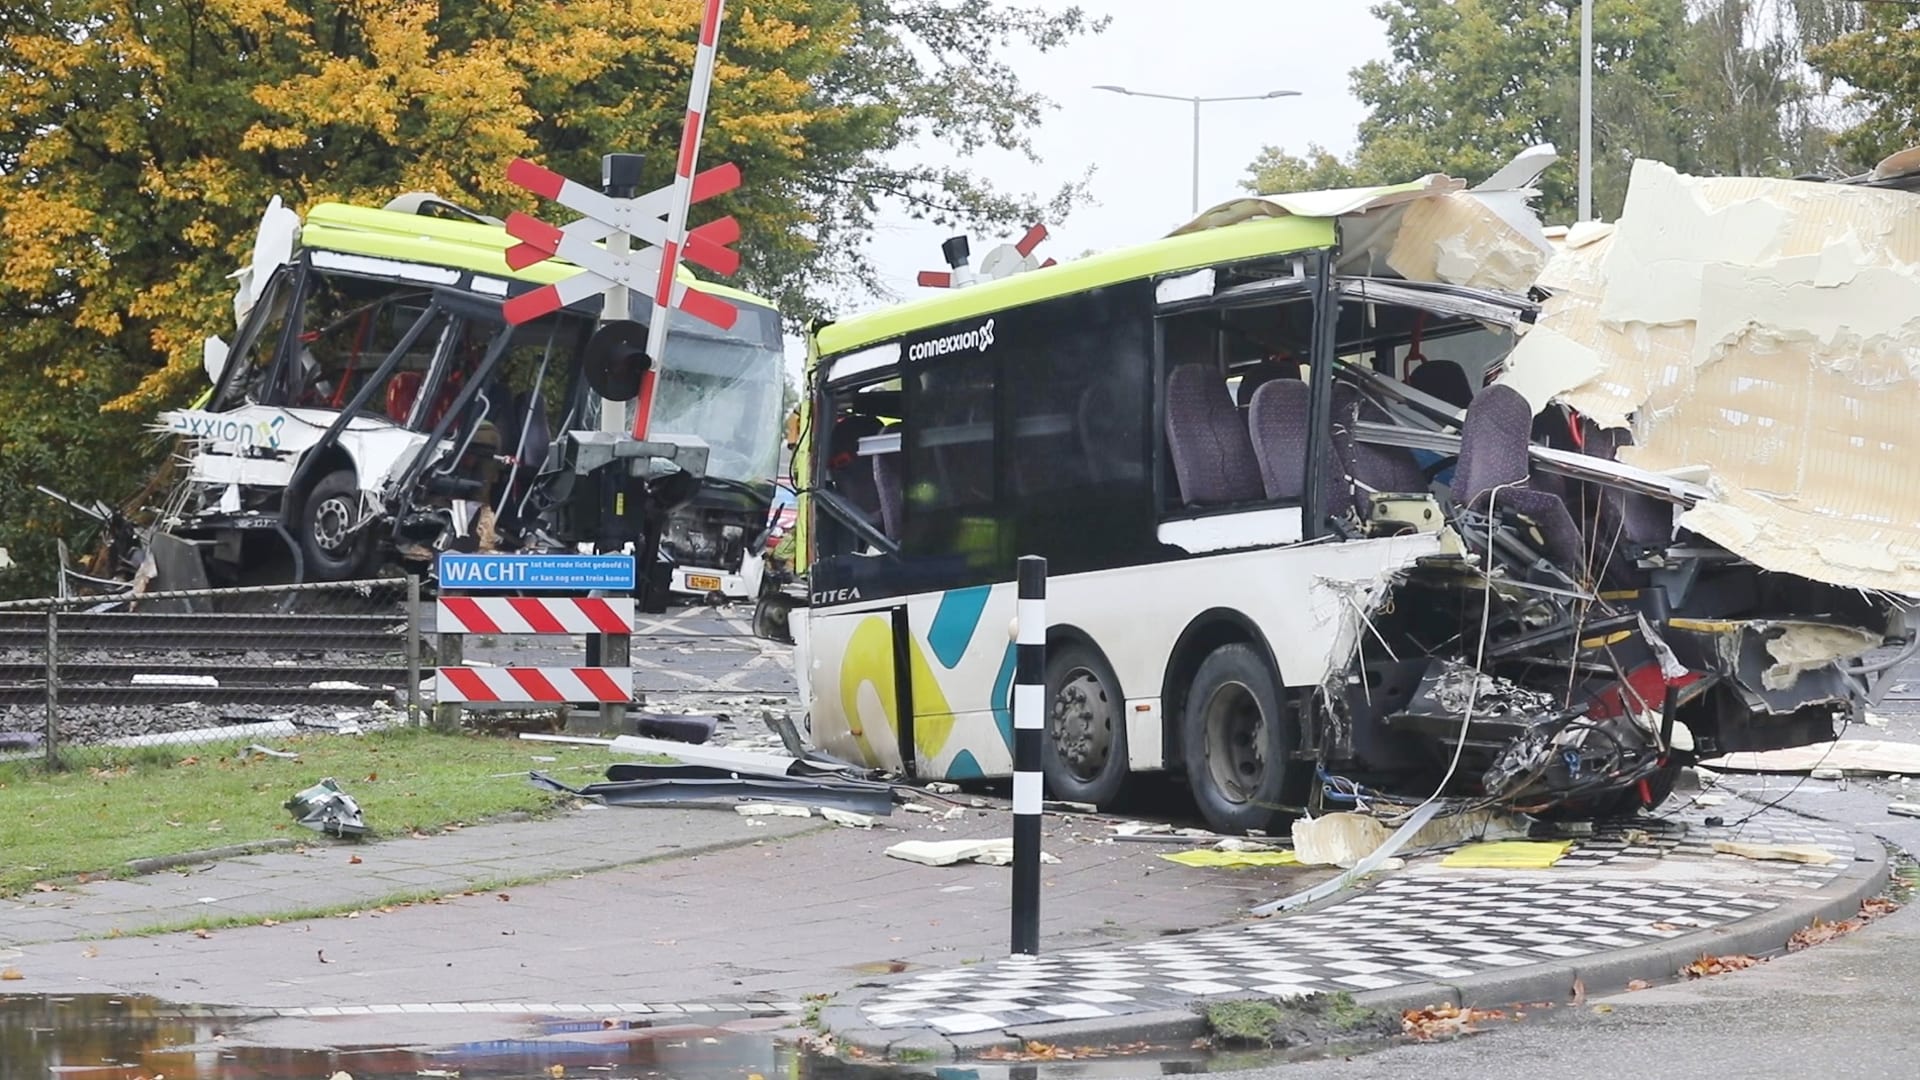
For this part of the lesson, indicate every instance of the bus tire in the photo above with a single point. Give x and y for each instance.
(1084, 741)
(1238, 734)
(332, 545)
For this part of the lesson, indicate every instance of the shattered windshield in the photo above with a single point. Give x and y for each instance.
(725, 387)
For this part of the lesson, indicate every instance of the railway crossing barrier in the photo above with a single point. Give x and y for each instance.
(605, 679)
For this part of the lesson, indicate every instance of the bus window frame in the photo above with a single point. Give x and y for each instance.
(829, 393)
(1313, 279)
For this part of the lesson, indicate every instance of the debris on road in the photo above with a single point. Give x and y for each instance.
(679, 728)
(1811, 854)
(1063, 807)
(326, 809)
(641, 785)
(1508, 855)
(1857, 756)
(1343, 839)
(846, 818)
(1904, 809)
(1211, 857)
(766, 809)
(949, 852)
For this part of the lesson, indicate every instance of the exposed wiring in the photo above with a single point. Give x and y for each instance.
(1480, 654)
(1801, 779)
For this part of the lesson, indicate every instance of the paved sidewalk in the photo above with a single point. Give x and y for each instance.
(326, 873)
(768, 910)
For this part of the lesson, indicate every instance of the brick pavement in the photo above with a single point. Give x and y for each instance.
(770, 911)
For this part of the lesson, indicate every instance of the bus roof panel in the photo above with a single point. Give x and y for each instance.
(1209, 247)
(468, 245)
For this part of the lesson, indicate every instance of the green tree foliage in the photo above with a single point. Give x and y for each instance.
(1880, 62)
(1708, 85)
(142, 139)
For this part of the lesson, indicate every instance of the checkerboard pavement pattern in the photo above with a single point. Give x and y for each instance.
(1402, 931)
(1635, 844)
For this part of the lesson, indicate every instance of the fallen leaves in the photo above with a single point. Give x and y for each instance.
(89, 953)
(1820, 931)
(354, 860)
(203, 932)
(1579, 991)
(45, 886)
(1718, 965)
(1445, 1021)
(503, 897)
(269, 922)
(11, 975)
(1639, 984)
(322, 954)
(1041, 1051)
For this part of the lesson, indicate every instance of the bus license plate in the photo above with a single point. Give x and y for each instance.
(703, 582)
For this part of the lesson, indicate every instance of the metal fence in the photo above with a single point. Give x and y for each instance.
(89, 680)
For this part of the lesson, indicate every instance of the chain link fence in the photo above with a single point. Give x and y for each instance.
(93, 681)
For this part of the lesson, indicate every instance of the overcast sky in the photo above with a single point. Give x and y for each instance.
(1141, 149)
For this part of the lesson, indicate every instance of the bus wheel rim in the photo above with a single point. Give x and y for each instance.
(1083, 725)
(1236, 757)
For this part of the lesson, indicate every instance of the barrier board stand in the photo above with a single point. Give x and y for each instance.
(601, 610)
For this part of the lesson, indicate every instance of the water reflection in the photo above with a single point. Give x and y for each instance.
(131, 1038)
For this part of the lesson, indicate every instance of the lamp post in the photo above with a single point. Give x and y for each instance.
(1586, 110)
(1197, 102)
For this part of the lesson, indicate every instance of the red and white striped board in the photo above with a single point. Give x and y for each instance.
(534, 615)
(546, 685)
(683, 177)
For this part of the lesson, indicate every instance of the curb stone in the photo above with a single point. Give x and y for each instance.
(1659, 961)
(157, 863)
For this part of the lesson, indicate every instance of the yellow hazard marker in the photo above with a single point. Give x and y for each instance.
(1508, 855)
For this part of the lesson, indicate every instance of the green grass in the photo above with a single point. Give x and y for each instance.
(1244, 1021)
(155, 802)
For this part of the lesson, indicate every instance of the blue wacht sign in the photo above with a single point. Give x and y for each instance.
(535, 572)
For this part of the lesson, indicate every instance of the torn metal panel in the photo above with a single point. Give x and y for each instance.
(640, 785)
(1466, 239)
(1771, 329)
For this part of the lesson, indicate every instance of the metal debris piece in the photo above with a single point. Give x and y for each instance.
(325, 808)
(640, 785)
(256, 750)
(1904, 809)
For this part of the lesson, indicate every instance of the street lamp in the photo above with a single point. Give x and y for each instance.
(1586, 110)
(1197, 102)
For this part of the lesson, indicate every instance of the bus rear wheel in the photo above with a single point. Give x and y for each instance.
(1084, 756)
(1238, 735)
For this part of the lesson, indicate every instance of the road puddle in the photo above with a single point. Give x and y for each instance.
(101, 1037)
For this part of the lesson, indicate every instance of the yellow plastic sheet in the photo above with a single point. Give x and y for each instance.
(1209, 857)
(1508, 855)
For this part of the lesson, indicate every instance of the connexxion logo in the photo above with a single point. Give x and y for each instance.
(979, 338)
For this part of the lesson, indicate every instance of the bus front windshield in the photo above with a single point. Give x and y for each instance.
(727, 388)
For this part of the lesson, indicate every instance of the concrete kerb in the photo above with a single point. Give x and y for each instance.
(1760, 934)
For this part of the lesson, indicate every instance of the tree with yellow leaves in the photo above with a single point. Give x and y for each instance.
(142, 139)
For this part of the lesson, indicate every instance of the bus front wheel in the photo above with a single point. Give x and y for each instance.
(1238, 734)
(1084, 754)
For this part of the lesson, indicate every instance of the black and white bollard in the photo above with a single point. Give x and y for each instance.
(1029, 714)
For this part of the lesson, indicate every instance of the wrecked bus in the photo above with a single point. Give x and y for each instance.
(1320, 531)
(375, 406)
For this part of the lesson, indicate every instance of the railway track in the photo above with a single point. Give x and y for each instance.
(116, 658)
(112, 631)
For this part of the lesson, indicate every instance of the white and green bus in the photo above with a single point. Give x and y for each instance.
(375, 404)
(1263, 468)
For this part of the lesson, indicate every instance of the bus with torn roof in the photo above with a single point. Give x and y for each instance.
(1310, 542)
